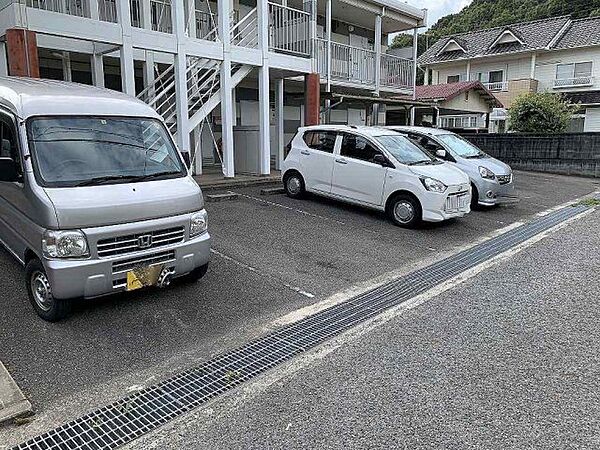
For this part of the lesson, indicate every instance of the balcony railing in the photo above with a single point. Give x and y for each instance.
(352, 64)
(289, 30)
(498, 86)
(357, 66)
(396, 71)
(107, 10)
(573, 82)
(72, 7)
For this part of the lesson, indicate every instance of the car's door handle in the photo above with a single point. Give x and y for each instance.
(305, 152)
(341, 161)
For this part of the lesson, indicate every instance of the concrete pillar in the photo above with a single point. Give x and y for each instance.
(191, 19)
(533, 64)
(426, 82)
(280, 127)
(3, 60)
(66, 66)
(264, 111)
(312, 99)
(377, 53)
(97, 62)
(468, 71)
(414, 74)
(94, 12)
(227, 118)
(149, 74)
(22, 54)
(126, 51)
(181, 97)
(375, 114)
(146, 15)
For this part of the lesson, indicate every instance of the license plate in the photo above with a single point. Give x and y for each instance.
(143, 276)
(457, 202)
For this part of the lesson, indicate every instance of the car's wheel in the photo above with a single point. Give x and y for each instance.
(405, 211)
(474, 197)
(294, 185)
(196, 275)
(40, 294)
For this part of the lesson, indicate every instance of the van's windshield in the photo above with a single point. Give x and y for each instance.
(86, 151)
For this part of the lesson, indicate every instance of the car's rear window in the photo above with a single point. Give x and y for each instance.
(320, 140)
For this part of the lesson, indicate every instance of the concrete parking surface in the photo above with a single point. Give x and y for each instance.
(507, 360)
(273, 255)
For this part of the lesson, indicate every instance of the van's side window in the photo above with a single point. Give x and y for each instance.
(320, 140)
(358, 147)
(8, 142)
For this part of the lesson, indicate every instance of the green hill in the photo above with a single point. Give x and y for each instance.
(482, 14)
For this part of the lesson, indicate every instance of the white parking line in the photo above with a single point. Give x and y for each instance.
(258, 272)
(279, 205)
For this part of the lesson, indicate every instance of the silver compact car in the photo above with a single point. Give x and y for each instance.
(94, 196)
(491, 180)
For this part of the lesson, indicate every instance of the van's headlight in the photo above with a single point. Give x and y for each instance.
(198, 223)
(486, 173)
(64, 244)
(433, 185)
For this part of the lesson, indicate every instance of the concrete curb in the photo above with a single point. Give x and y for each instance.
(12, 401)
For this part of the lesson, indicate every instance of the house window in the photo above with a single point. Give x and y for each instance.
(577, 123)
(573, 74)
(497, 76)
(453, 79)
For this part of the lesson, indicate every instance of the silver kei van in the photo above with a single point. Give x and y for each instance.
(94, 196)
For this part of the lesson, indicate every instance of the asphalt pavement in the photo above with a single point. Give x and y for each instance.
(507, 360)
(274, 256)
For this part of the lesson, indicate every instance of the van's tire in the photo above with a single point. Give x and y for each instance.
(40, 294)
(405, 211)
(294, 186)
(196, 275)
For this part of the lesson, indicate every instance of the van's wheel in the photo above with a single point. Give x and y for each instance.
(40, 294)
(405, 211)
(196, 275)
(294, 185)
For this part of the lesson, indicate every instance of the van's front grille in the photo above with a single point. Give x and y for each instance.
(152, 259)
(121, 245)
(504, 179)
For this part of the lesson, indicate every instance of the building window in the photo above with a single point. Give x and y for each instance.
(497, 76)
(453, 79)
(577, 74)
(577, 124)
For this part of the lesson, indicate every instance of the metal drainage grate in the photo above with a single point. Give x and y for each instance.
(127, 419)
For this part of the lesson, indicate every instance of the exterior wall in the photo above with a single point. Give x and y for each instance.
(592, 119)
(545, 70)
(469, 101)
(514, 69)
(515, 89)
(441, 73)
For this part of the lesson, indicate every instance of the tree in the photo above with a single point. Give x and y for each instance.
(542, 112)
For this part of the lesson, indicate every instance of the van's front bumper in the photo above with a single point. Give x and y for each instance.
(97, 277)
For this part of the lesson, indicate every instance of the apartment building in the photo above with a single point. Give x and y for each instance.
(233, 79)
(557, 55)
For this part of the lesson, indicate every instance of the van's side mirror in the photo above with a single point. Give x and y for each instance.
(8, 170)
(440, 153)
(186, 159)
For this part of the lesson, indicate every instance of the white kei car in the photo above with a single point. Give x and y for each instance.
(376, 168)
